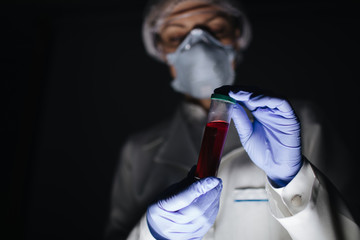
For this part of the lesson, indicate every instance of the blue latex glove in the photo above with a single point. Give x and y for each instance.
(188, 214)
(272, 140)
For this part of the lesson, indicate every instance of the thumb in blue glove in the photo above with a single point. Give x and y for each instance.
(272, 140)
(188, 214)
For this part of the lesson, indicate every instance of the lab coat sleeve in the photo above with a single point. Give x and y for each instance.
(307, 211)
(141, 231)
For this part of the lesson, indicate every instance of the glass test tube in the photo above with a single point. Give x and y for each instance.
(216, 129)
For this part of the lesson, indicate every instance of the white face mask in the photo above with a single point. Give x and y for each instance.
(202, 63)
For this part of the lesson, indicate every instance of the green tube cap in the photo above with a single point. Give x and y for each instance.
(222, 97)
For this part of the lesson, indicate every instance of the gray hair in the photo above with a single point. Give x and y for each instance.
(157, 10)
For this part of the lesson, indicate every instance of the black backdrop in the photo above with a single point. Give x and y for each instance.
(76, 82)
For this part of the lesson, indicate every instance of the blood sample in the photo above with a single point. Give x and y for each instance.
(211, 148)
(214, 136)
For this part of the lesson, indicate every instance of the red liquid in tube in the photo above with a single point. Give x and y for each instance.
(211, 149)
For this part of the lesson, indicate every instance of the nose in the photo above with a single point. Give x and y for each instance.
(204, 28)
(198, 36)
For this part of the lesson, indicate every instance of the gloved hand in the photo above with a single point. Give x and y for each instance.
(188, 214)
(272, 140)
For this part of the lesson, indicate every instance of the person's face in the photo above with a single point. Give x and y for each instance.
(189, 15)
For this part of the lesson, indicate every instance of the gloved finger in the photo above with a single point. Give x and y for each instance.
(186, 197)
(210, 214)
(274, 113)
(204, 220)
(196, 208)
(240, 95)
(242, 123)
(201, 205)
(204, 226)
(262, 101)
(192, 217)
(243, 97)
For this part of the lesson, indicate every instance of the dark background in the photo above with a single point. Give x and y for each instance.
(76, 81)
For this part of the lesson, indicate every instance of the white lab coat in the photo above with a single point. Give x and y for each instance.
(301, 210)
(250, 208)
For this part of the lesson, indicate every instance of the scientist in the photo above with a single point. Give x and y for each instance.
(267, 186)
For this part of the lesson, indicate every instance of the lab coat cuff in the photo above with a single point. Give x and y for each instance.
(294, 197)
(145, 233)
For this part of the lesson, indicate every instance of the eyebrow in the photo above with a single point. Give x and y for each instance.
(190, 9)
(183, 26)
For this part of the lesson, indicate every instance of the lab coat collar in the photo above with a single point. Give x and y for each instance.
(178, 149)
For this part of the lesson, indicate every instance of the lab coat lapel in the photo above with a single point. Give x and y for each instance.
(178, 149)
